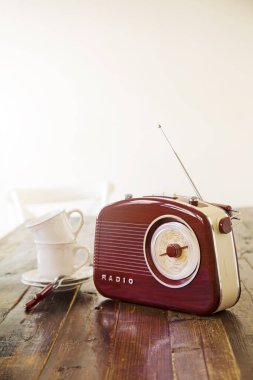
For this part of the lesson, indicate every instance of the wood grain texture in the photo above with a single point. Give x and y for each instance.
(111, 340)
(16, 257)
(197, 348)
(83, 347)
(142, 344)
(26, 339)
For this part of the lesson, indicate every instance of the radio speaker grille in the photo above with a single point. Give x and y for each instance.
(119, 247)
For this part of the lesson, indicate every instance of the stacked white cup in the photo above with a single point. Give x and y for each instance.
(56, 244)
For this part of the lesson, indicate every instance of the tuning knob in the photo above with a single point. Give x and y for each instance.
(173, 250)
(194, 201)
(225, 225)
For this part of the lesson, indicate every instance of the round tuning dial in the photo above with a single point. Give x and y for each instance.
(172, 253)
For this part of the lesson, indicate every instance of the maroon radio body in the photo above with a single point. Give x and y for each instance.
(123, 264)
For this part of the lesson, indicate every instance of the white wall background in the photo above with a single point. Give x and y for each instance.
(83, 85)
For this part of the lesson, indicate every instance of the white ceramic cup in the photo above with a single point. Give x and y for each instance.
(60, 258)
(55, 227)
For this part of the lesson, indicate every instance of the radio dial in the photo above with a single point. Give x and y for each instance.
(175, 253)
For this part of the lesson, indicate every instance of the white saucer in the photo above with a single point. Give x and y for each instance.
(34, 278)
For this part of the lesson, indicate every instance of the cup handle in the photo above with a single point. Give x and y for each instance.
(87, 258)
(81, 221)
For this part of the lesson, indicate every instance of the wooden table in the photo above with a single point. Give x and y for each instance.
(81, 335)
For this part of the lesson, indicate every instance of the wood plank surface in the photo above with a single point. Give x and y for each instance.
(111, 340)
(16, 257)
(27, 339)
(83, 347)
(81, 335)
(198, 346)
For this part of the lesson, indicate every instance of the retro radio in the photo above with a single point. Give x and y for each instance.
(173, 252)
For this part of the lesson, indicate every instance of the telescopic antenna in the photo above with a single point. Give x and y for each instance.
(184, 169)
